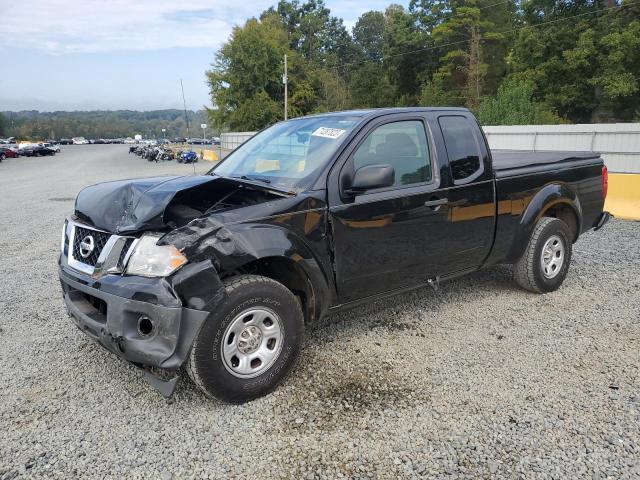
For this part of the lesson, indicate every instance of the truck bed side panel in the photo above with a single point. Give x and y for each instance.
(520, 205)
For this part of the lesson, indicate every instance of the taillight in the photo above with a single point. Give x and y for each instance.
(605, 181)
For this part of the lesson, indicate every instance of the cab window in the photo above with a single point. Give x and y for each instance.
(403, 145)
(462, 149)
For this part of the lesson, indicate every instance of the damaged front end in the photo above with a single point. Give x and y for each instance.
(150, 322)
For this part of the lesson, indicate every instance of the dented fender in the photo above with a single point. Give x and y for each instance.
(299, 237)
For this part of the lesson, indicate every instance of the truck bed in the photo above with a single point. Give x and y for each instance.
(506, 162)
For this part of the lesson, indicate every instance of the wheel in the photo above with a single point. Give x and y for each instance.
(2, 157)
(251, 343)
(545, 262)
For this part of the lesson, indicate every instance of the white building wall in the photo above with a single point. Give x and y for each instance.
(233, 140)
(619, 143)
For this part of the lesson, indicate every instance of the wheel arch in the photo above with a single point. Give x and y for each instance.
(283, 256)
(557, 200)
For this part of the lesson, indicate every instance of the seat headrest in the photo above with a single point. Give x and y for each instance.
(397, 145)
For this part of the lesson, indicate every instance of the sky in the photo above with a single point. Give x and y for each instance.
(121, 54)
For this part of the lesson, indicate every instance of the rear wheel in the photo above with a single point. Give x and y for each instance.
(545, 262)
(251, 343)
(2, 157)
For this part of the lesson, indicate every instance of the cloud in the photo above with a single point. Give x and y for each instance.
(85, 26)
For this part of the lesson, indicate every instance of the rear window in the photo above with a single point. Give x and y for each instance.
(462, 149)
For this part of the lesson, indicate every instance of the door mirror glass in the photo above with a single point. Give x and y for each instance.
(371, 177)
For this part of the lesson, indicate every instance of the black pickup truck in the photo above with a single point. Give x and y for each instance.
(221, 272)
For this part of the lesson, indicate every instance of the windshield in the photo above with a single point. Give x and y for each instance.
(290, 154)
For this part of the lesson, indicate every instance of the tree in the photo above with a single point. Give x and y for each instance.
(584, 66)
(514, 105)
(245, 80)
(434, 94)
(465, 34)
(3, 124)
(368, 35)
(408, 60)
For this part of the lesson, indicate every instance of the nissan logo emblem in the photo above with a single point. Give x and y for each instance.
(86, 246)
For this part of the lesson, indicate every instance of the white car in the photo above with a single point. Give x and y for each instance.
(51, 146)
(80, 141)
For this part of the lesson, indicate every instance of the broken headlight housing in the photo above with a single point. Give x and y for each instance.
(151, 260)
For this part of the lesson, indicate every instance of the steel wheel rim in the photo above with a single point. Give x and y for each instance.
(552, 256)
(252, 342)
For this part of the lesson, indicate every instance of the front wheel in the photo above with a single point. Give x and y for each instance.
(545, 262)
(251, 343)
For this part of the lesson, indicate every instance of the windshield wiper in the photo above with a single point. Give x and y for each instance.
(256, 179)
(266, 181)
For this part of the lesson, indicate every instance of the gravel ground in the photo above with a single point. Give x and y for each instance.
(478, 380)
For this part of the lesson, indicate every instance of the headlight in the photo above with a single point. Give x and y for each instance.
(151, 260)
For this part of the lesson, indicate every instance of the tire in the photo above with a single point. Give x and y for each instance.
(543, 272)
(260, 302)
(2, 157)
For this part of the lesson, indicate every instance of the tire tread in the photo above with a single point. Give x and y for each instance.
(525, 267)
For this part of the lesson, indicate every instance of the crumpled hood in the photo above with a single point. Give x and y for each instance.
(133, 205)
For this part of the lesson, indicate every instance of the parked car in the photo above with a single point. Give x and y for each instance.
(222, 272)
(80, 141)
(7, 153)
(54, 147)
(36, 151)
(66, 141)
(187, 156)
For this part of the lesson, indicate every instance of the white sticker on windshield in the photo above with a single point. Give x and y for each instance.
(328, 132)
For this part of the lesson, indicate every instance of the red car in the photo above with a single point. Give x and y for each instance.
(7, 153)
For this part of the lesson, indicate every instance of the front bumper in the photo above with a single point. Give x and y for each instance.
(150, 322)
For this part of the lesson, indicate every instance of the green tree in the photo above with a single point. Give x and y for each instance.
(3, 124)
(465, 34)
(245, 80)
(586, 67)
(434, 94)
(514, 105)
(408, 61)
(368, 35)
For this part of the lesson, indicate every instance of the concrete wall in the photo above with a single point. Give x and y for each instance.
(619, 143)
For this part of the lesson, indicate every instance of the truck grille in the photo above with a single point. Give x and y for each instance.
(99, 241)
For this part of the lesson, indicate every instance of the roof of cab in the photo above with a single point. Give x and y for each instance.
(374, 112)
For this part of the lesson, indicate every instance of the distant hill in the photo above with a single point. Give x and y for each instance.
(34, 125)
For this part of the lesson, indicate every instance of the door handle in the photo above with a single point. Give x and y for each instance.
(436, 203)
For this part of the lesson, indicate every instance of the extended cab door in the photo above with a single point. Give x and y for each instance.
(471, 208)
(391, 237)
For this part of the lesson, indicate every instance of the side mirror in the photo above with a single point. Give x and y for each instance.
(371, 177)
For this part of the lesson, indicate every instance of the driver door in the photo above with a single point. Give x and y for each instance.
(388, 238)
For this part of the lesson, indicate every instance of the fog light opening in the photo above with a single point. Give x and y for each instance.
(145, 326)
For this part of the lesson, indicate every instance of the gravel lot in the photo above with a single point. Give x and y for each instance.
(477, 380)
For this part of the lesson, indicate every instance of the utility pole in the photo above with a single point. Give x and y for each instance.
(285, 80)
(186, 118)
